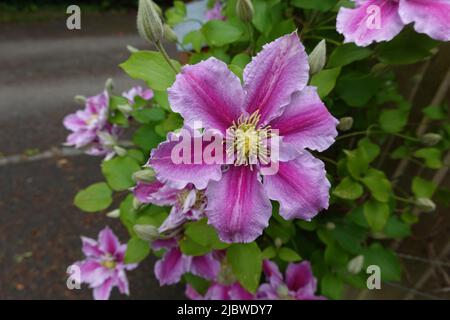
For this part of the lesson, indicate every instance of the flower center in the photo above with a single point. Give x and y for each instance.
(248, 141)
(108, 262)
(283, 293)
(93, 118)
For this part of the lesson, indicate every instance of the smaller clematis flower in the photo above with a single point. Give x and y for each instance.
(171, 267)
(299, 282)
(219, 291)
(381, 20)
(137, 91)
(104, 267)
(91, 131)
(215, 13)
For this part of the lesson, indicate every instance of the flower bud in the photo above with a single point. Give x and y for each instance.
(80, 99)
(125, 108)
(146, 232)
(120, 151)
(318, 57)
(330, 226)
(430, 139)
(355, 265)
(425, 205)
(149, 23)
(169, 34)
(136, 204)
(147, 175)
(244, 10)
(113, 214)
(107, 139)
(278, 242)
(345, 123)
(132, 49)
(109, 85)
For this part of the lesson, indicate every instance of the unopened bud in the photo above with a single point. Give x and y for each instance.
(430, 139)
(425, 205)
(244, 10)
(80, 99)
(345, 123)
(278, 242)
(355, 265)
(109, 85)
(169, 34)
(318, 57)
(136, 204)
(146, 232)
(125, 108)
(330, 226)
(149, 23)
(147, 175)
(113, 214)
(132, 49)
(107, 139)
(120, 151)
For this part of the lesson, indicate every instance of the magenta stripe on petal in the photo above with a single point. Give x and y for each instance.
(300, 186)
(306, 122)
(238, 206)
(108, 241)
(103, 291)
(280, 69)
(208, 92)
(171, 267)
(205, 266)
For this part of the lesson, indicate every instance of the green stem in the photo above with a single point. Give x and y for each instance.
(166, 56)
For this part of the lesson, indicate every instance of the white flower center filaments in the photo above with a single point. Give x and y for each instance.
(248, 142)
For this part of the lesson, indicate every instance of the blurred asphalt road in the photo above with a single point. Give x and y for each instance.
(43, 65)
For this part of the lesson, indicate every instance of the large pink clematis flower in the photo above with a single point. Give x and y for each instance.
(170, 268)
(91, 131)
(219, 291)
(299, 283)
(104, 266)
(360, 25)
(274, 97)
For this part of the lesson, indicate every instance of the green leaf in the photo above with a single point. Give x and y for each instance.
(162, 99)
(357, 88)
(357, 162)
(118, 172)
(289, 255)
(269, 252)
(393, 121)
(348, 189)
(198, 283)
(332, 286)
(335, 256)
(325, 81)
(423, 188)
(377, 214)
(378, 184)
(431, 156)
(236, 70)
(371, 149)
(346, 54)
(246, 263)
(192, 248)
(94, 198)
(177, 13)
(263, 20)
(137, 250)
(349, 236)
(151, 67)
(173, 122)
(435, 113)
(385, 259)
(195, 38)
(204, 235)
(397, 229)
(219, 33)
(241, 60)
(146, 138)
(320, 5)
(148, 115)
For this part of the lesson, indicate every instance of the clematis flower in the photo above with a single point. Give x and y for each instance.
(171, 267)
(274, 97)
(91, 131)
(219, 291)
(137, 91)
(104, 266)
(299, 282)
(187, 203)
(215, 13)
(381, 20)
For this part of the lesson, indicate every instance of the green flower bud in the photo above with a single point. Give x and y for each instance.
(80, 99)
(107, 139)
(430, 139)
(125, 108)
(278, 242)
(330, 226)
(425, 205)
(146, 232)
(132, 49)
(136, 204)
(345, 123)
(147, 175)
(318, 57)
(113, 214)
(149, 23)
(355, 265)
(120, 151)
(169, 34)
(109, 85)
(244, 10)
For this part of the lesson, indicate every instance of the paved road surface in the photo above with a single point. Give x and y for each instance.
(42, 66)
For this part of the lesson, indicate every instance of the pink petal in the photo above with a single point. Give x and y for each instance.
(90, 247)
(103, 291)
(299, 275)
(280, 69)
(144, 191)
(272, 273)
(205, 266)
(429, 16)
(178, 175)
(217, 292)
(108, 241)
(300, 186)
(192, 294)
(73, 122)
(357, 25)
(208, 92)
(306, 122)
(92, 271)
(236, 292)
(171, 267)
(267, 292)
(237, 206)
(122, 282)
